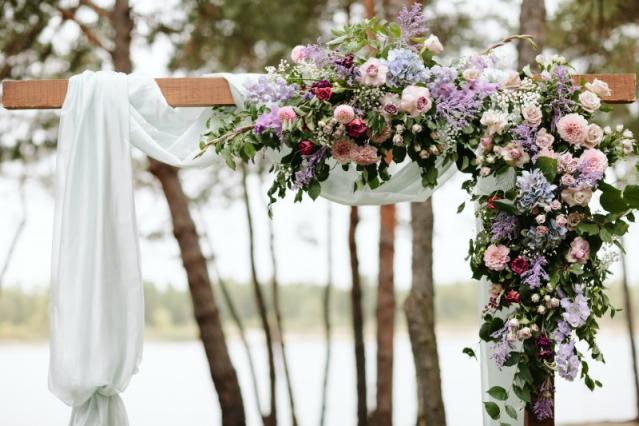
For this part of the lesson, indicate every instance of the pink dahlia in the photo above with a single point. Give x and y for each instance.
(344, 114)
(572, 128)
(365, 155)
(342, 151)
(496, 257)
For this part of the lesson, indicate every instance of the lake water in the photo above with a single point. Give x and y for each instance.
(173, 386)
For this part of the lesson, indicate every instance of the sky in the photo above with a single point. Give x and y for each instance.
(300, 228)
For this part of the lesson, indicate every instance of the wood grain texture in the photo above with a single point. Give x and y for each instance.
(209, 91)
(179, 92)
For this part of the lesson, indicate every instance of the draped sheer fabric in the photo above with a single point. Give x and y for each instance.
(97, 302)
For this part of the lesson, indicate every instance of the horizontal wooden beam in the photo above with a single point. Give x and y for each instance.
(208, 91)
(179, 92)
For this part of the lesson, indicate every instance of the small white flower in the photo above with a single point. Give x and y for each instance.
(554, 302)
(627, 133)
(534, 328)
(540, 59)
(524, 333)
(541, 309)
(550, 287)
(607, 130)
(627, 146)
(545, 75)
(424, 154)
(417, 128)
(535, 298)
(546, 298)
(398, 139)
(513, 323)
(541, 218)
(558, 59)
(619, 127)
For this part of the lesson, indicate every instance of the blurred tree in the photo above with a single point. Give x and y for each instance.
(532, 20)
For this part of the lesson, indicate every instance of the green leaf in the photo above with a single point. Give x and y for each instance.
(511, 411)
(498, 393)
(522, 393)
(631, 196)
(492, 409)
(548, 167)
(506, 205)
(460, 208)
(314, 190)
(611, 199)
(588, 228)
(469, 352)
(249, 150)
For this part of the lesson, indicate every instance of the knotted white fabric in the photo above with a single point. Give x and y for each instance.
(97, 309)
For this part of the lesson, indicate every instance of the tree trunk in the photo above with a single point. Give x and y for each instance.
(385, 316)
(631, 327)
(271, 418)
(204, 307)
(532, 20)
(326, 311)
(420, 316)
(358, 321)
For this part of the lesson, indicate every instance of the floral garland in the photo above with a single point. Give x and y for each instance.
(375, 95)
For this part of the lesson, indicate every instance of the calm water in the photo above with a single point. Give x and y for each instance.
(173, 386)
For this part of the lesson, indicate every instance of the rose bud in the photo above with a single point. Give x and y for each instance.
(306, 147)
(356, 128)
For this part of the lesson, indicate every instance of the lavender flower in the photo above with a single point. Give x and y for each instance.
(562, 104)
(412, 23)
(267, 90)
(536, 272)
(567, 361)
(544, 407)
(504, 227)
(502, 347)
(562, 332)
(317, 54)
(576, 313)
(269, 121)
(404, 68)
(534, 189)
(526, 137)
(307, 172)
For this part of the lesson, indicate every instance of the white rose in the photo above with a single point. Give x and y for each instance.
(532, 114)
(494, 121)
(627, 133)
(540, 59)
(471, 74)
(433, 44)
(594, 135)
(600, 88)
(627, 146)
(619, 127)
(589, 101)
(607, 130)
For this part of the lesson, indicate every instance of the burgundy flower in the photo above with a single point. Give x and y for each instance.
(512, 296)
(490, 203)
(519, 265)
(357, 128)
(347, 61)
(322, 89)
(544, 348)
(306, 147)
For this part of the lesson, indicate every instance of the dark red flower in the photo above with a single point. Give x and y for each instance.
(519, 265)
(306, 147)
(490, 203)
(356, 128)
(544, 348)
(512, 296)
(323, 93)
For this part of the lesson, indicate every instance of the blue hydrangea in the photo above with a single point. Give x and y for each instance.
(534, 189)
(405, 67)
(549, 240)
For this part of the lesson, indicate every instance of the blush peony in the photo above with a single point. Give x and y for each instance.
(344, 114)
(373, 72)
(579, 251)
(415, 100)
(572, 128)
(496, 257)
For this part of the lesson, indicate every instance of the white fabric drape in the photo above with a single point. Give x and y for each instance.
(97, 310)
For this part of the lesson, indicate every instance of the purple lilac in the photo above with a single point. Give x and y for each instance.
(562, 104)
(576, 313)
(567, 361)
(266, 90)
(306, 174)
(504, 227)
(502, 347)
(544, 407)
(536, 272)
(412, 23)
(269, 121)
(525, 135)
(317, 54)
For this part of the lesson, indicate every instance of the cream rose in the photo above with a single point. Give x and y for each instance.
(598, 87)
(495, 121)
(373, 72)
(532, 114)
(415, 100)
(594, 135)
(433, 44)
(544, 139)
(579, 196)
(589, 101)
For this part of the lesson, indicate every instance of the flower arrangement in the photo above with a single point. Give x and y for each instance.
(541, 245)
(376, 95)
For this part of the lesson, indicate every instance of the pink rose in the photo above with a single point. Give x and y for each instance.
(514, 154)
(356, 128)
(496, 257)
(415, 100)
(373, 72)
(344, 114)
(298, 54)
(572, 128)
(286, 114)
(566, 163)
(561, 220)
(579, 251)
(365, 155)
(568, 180)
(342, 151)
(594, 135)
(544, 139)
(532, 114)
(486, 144)
(593, 162)
(390, 104)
